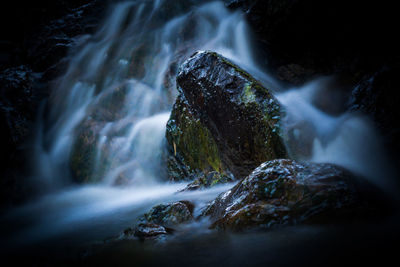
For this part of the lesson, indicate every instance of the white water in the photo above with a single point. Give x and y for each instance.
(135, 53)
(348, 140)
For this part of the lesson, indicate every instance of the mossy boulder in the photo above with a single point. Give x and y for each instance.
(223, 120)
(282, 192)
(192, 146)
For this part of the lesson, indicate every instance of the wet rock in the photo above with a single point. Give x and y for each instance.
(208, 180)
(145, 232)
(223, 120)
(160, 220)
(281, 192)
(149, 230)
(170, 214)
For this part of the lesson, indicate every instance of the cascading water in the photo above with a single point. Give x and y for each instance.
(120, 86)
(346, 139)
(112, 105)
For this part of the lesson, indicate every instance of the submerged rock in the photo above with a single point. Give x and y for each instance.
(283, 192)
(223, 120)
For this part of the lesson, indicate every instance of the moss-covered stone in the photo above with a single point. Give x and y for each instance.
(223, 120)
(193, 146)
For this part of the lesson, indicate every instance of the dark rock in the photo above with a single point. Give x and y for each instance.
(145, 232)
(171, 214)
(16, 100)
(18, 103)
(375, 96)
(281, 192)
(149, 230)
(43, 32)
(223, 120)
(158, 222)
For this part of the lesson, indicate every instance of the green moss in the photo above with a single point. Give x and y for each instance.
(191, 141)
(248, 95)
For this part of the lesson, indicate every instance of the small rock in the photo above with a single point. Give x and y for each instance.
(170, 214)
(149, 230)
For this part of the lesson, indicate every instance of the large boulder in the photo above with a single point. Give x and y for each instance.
(281, 192)
(223, 120)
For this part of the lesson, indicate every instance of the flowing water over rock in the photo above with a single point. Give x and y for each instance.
(107, 116)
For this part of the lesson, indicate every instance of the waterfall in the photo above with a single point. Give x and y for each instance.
(120, 85)
(113, 102)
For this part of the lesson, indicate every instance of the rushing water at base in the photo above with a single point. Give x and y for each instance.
(120, 87)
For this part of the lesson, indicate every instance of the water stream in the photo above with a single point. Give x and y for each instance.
(116, 96)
